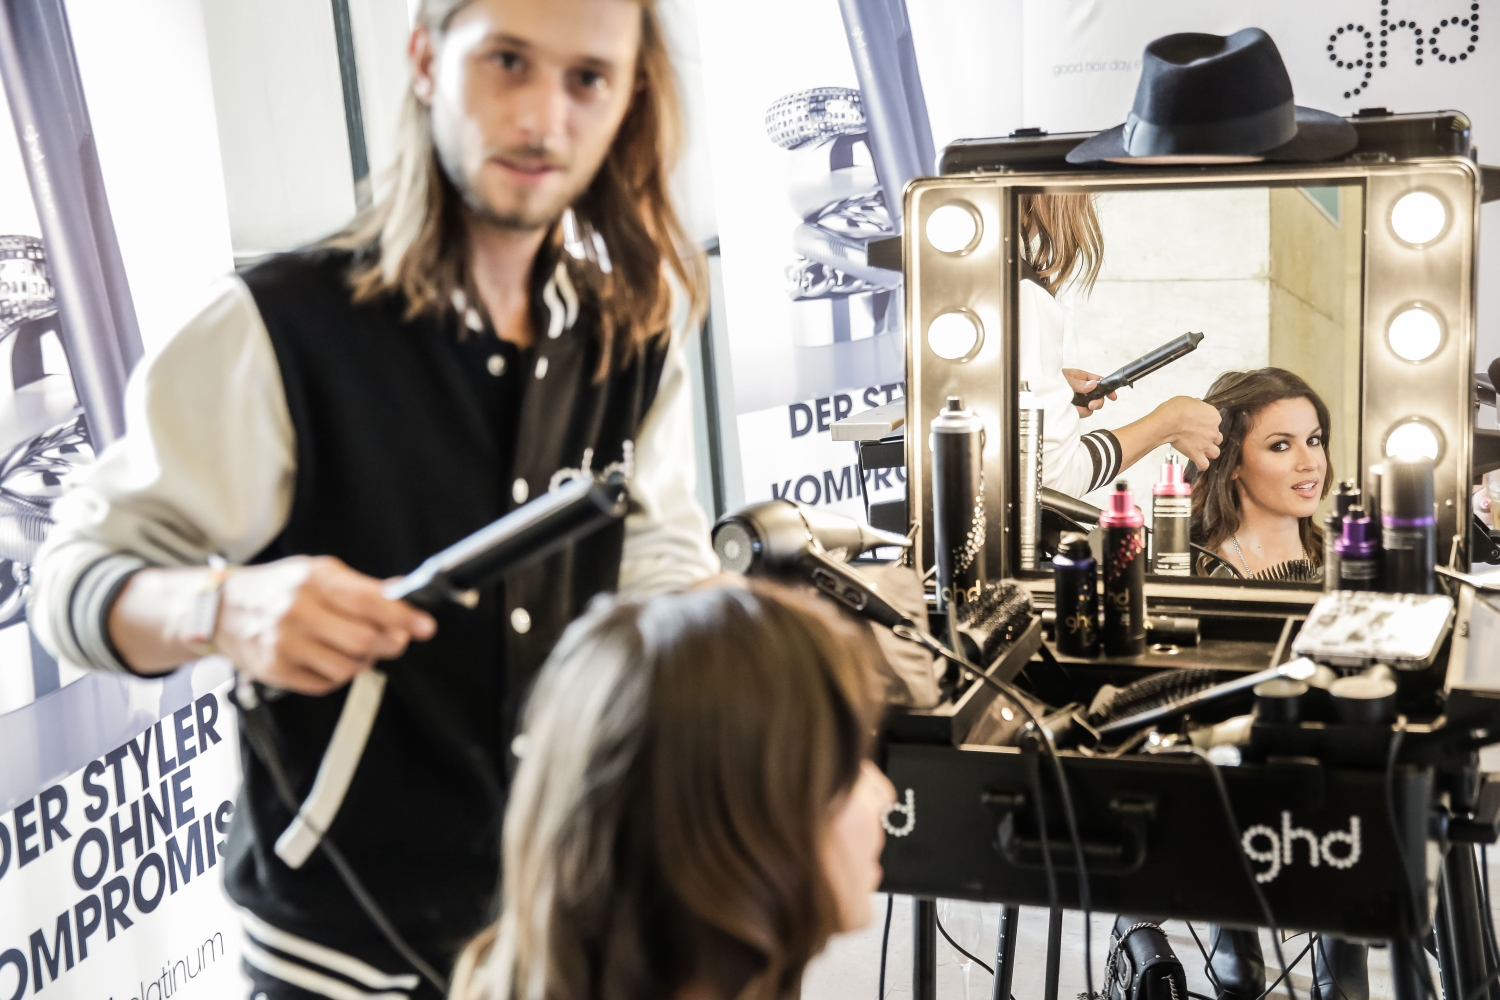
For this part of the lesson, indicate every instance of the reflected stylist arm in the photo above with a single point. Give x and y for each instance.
(1064, 244)
(1187, 424)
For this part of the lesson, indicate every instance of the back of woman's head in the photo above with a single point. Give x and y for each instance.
(679, 759)
(1239, 396)
(1061, 238)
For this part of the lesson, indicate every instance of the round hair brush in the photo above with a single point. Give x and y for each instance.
(1151, 692)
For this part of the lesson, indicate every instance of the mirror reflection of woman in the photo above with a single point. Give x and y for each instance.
(1064, 245)
(1256, 507)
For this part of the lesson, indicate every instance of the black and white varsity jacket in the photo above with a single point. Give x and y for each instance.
(283, 419)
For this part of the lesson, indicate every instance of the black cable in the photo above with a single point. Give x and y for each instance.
(265, 749)
(885, 941)
(1234, 829)
(1478, 990)
(1208, 966)
(1010, 692)
(1413, 901)
(960, 948)
(1489, 914)
(1286, 970)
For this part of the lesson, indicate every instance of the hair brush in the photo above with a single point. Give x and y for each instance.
(1151, 692)
(999, 614)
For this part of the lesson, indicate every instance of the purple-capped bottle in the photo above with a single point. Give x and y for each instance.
(1359, 553)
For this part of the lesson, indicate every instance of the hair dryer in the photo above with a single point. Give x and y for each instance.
(782, 536)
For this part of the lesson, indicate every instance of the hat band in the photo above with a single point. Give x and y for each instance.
(1233, 136)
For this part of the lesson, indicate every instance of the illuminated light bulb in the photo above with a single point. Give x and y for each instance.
(1419, 218)
(953, 335)
(952, 228)
(1413, 439)
(1415, 334)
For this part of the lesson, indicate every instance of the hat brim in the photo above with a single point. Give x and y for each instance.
(1320, 136)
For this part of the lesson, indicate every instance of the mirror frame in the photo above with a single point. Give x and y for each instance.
(983, 280)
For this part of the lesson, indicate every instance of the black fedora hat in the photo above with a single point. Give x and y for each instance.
(1217, 99)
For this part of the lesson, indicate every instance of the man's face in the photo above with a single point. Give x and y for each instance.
(526, 99)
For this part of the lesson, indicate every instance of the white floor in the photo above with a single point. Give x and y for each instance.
(850, 968)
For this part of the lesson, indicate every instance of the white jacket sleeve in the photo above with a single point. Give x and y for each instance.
(1072, 462)
(206, 467)
(667, 532)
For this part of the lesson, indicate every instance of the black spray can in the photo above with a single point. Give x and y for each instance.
(958, 527)
(1075, 586)
(1408, 528)
(1124, 574)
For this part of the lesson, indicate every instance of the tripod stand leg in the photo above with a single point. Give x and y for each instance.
(1005, 952)
(924, 949)
(1442, 933)
(1408, 980)
(1459, 900)
(1054, 953)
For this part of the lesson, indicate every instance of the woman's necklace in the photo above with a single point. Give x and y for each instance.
(1235, 540)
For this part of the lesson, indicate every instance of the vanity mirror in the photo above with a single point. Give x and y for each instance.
(1353, 281)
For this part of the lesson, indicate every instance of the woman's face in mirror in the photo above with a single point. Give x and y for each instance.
(852, 842)
(1282, 463)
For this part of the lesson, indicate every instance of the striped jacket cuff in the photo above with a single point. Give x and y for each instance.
(1105, 454)
(88, 610)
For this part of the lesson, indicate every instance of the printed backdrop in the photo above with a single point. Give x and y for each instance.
(986, 67)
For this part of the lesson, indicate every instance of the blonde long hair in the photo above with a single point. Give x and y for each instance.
(1061, 238)
(412, 241)
(680, 760)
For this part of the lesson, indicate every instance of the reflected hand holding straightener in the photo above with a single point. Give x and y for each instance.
(1142, 366)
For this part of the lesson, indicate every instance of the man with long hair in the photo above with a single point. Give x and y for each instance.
(334, 415)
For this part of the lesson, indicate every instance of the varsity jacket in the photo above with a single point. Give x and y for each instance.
(284, 419)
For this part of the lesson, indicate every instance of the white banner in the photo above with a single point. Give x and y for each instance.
(110, 876)
(986, 67)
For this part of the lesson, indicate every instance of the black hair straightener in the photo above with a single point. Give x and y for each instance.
(1142, 366)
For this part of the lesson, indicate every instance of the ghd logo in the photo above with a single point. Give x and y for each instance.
(1337, 848)
(907, 809)
(1361, 49)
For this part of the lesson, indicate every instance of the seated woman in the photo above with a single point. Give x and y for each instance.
(695, 812)
(1255, 507)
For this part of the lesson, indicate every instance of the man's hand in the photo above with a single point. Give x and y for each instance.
(309, 624)
(1083, 381)
(1192, 427)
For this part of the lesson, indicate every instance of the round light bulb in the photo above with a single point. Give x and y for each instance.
(953, 335)
(952, 228)
(1413, 439)
(1415, 334)
(1419, 218)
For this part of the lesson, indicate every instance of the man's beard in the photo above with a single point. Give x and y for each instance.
(529, 218)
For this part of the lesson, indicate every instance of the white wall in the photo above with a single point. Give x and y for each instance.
(1174, 262)
(693, 180)
(381, 28)
(280, 105)
(145, 70)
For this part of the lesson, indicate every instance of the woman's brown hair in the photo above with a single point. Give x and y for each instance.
(1239, 396)
(1061, 238)
(412, 241)
(679, 762)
